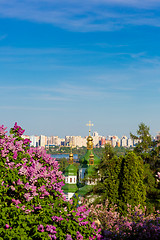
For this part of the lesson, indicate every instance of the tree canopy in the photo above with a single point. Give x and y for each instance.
(121, 179)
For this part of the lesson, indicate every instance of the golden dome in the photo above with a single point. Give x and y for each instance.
(90, 138)
(71, 157)
(89, 142)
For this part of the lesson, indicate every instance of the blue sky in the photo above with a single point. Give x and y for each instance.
(63, 63)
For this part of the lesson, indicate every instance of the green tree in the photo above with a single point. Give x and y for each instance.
(108, 154)
(108, 175)
(63, 163)
(152, 191)
(101, 175)
(144, 138)
(112, 181)
(150, 153)
(155, 158)
(120, 180)
(132, 190)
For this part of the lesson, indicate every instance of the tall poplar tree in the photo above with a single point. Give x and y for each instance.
(112, 181)
(132, 189)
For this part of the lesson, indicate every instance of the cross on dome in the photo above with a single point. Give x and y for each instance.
(89, 125)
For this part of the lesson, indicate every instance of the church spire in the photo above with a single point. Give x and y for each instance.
(89, 139)
(71, 157)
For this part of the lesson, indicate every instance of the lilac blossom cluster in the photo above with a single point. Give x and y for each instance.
(30, 190)
(135, 225)
(18, 130)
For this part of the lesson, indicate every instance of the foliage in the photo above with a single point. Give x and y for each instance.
(121, 151)
(108, 154)
(108, 171)
(152, 191)
(144, 137)
(112, 182)
(135, 225)
(150, 153)
(120, 180)
(132, 189)
(32, 203)
(145, 145)
(63, 163)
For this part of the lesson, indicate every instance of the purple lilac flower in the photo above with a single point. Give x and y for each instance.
(57, 219)
(79, 236)
(18, 130)
(52, 236)
(2, 130)
(51, 229)
(83, 223)
(19, 182)
(68, 237)
(28, 197)
(40, 228)
(16, 201)
(23, 207)
(26, 141)
(13, 188)
(6, 226)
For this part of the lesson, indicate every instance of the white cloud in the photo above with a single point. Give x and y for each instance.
(29, 108)
(94, 15)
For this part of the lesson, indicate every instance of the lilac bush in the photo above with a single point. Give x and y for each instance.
(32, 203)
(135, 225)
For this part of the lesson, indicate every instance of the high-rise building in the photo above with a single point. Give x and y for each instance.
(96, 138)
(34, 141)
(129, 142)
(56, 141)
(67, 140)
(43, 141)
(124, 141)
(95, 134)
(103, 141)
(79, 141)
(114, 140)
(118, 143)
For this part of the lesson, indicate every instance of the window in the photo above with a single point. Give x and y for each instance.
(91, 162)
(70, 179)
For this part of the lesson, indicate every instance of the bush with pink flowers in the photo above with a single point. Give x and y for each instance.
(32, 203)
(135, 225)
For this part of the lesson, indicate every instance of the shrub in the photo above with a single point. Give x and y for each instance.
(135, 225)
(32, 203)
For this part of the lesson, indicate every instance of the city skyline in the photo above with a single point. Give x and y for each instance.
(85, 136)
(64, 63)
(80, 141)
